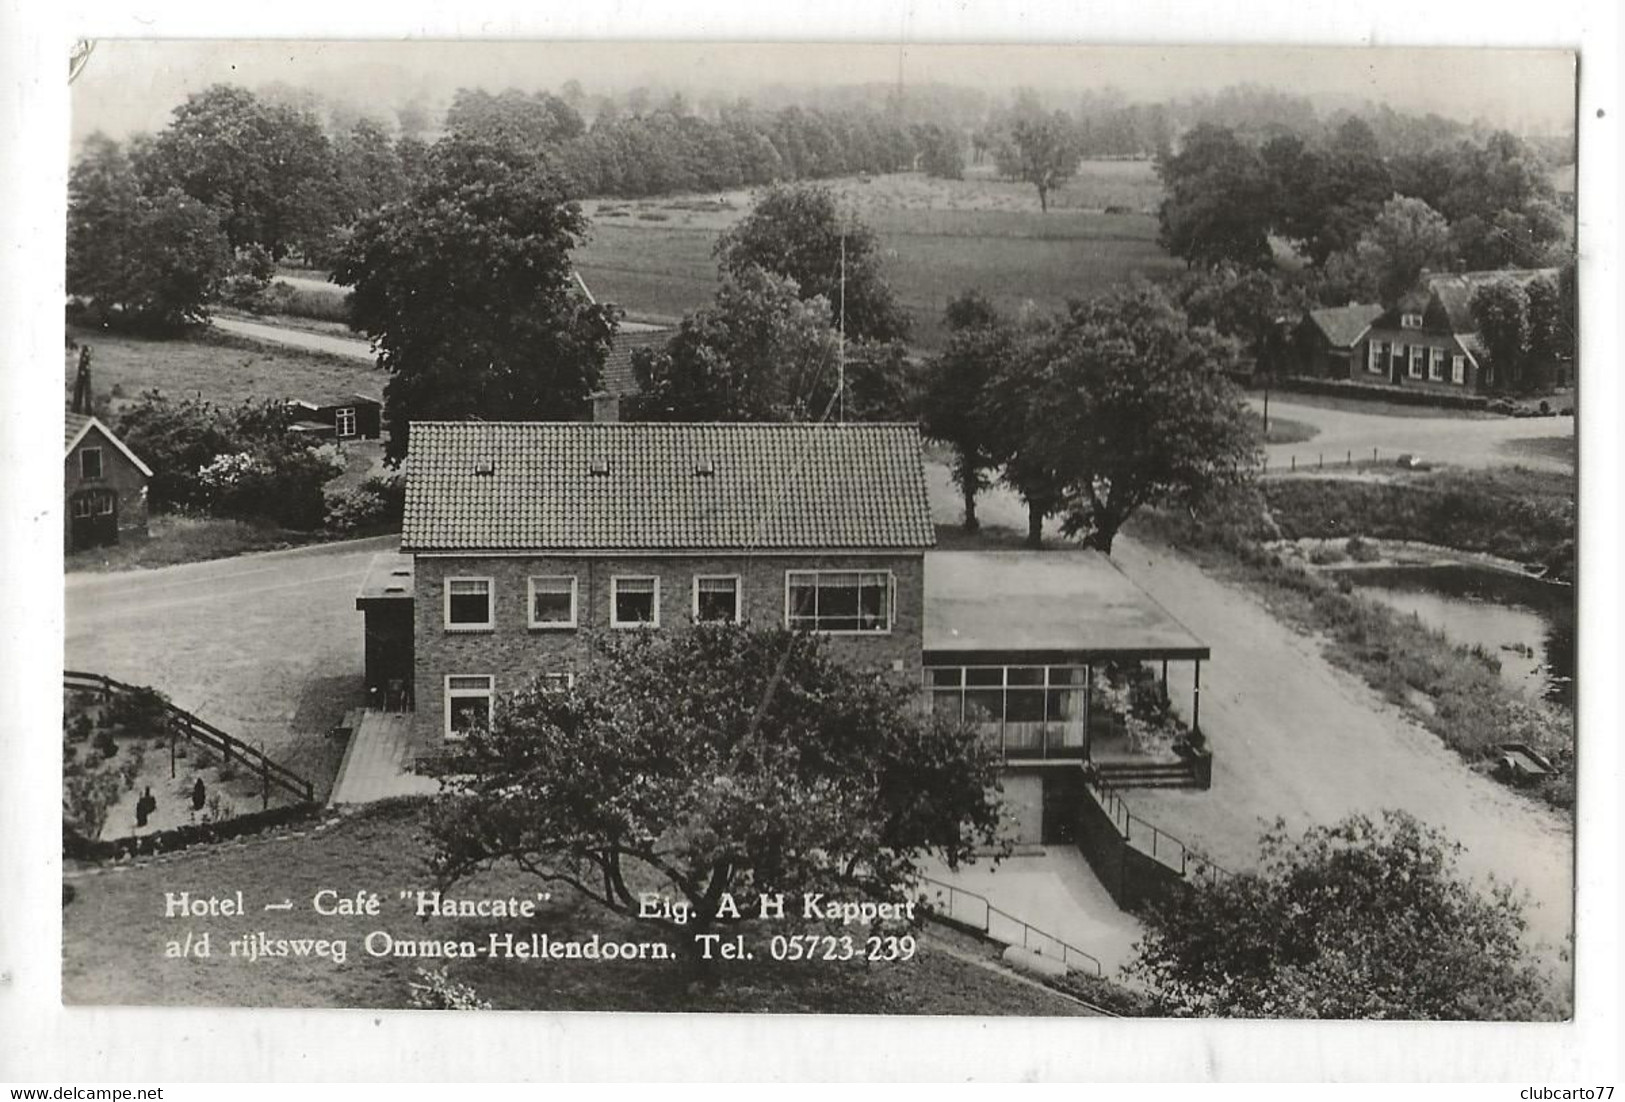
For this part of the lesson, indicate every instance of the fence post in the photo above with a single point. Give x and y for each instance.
(1294, 462)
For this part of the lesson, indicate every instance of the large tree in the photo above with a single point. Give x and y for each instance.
(1501, 310)
(268, 169)
(1406, 237)
(466, 289)
(715, 763)
(758, 353)
(1218, 207)
(953, 401)
(798, 231)
(1133, 408)
(138, 260)
(1041, 150)
(1364, 919)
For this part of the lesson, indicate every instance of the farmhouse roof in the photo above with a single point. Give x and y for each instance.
(630, 486)
(619, 378)
(79, 425)
(1344, 325)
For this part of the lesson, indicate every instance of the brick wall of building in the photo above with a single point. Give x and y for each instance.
(1389, 341)
(513, 652)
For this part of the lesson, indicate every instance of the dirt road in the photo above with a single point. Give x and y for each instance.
(1296, 738)
(1463, 441)
(266, 646)
(349, 347)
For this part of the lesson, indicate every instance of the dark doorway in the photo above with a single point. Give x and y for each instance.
(1060, 810)
(94, 521)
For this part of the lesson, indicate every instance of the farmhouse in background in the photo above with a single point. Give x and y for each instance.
(521, 539)
(105, 486)
(346, 417)
(1427, 341)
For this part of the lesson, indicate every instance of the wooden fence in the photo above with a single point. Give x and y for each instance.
(189, 726)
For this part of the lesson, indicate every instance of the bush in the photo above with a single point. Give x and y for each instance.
(1326, 555)
(280, 481)
(435, 990)
(249, 276)
(139, 711)
(78, 843)
(352, 508)
(105, 744)
(1362, 550)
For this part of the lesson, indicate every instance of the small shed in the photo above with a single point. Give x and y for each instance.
(105, 486)
(385, 603)
(346, 417)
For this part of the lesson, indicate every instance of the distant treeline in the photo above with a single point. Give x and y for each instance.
(670, 149)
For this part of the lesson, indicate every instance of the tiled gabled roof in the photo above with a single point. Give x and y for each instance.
(1344, 325)
(619, 379)
(647, 486)
(79, 425)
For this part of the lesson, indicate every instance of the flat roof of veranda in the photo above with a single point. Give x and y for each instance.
(1043, 606)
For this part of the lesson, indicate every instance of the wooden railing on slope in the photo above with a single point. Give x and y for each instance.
(197, 730)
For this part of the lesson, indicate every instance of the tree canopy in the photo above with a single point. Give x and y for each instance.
(718, 760)
(149, 261)
(1366, 919)
(759, 353)
(1040, 150)
(953, 402)
(466, 290)
(267, 169)
(797, 231)
(1218, 207)
(1137, 411)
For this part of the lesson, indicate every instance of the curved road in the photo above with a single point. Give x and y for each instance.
(1463, 441)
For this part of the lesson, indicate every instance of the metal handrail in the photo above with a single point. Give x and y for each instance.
(1163, 846)
(1029, 932)
(198, 730)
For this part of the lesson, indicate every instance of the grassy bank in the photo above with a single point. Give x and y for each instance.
(222, 368)
(1284, 430)
(1518, 514)
(114, 934)
(1454, 691)
(178, 539)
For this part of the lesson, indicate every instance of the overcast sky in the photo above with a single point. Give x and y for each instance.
(131, 86)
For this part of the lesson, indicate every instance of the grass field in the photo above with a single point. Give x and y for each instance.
(225, 370)
(937, 237)
(114, 935)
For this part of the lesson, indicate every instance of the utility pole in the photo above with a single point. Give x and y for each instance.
(840, 359)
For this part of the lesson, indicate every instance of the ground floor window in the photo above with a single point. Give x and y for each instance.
(344, 421)
(1436, 364)
(1458, 369)
(468, 703)
(1414, 370)
(838, 600)
(1029, 711)
(1375, 352)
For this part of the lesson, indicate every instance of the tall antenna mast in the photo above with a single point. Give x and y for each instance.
(840, 382)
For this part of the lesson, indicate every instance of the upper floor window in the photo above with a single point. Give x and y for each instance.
(838, 600)
(1410, 321)
(634, 602)
(90, 463)
(468, 604)
(716, 598)
(553, 601)
(344, 421)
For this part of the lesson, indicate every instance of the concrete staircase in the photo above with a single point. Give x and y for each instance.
(1137, 774)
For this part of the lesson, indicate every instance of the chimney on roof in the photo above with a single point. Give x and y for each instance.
(81, 383)
(606, 408)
